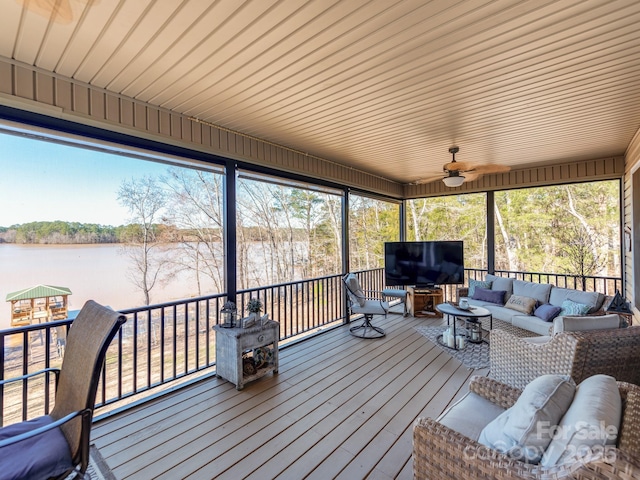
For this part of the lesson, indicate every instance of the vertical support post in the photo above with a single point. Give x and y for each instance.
(491, 233)
(230, 234)
(345, 251)
(403, 220)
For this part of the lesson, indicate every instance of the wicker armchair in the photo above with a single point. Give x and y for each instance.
(616, 352)
(440, 452)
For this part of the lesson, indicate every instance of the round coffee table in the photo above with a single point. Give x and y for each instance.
(472, 315)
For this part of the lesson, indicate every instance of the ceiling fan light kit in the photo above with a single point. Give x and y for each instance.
(453, 180)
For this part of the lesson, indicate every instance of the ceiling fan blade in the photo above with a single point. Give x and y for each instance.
(459, 166)
(427, 180)
(471, 176)
(491, 168)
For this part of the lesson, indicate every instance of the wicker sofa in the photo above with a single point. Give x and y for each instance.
(616, 352)
(443, 453)
(527, 324)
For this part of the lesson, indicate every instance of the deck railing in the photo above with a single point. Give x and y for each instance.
(589, 283)
(162, 343)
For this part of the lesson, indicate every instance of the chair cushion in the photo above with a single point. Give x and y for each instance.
(523, 431)
(539, 291)
(374, 307)
(457, 417)
(43, 456)
(559, 295)
(531, 323)
(354, 287)
(501, 283)
(592, 421)
(583, 324)
(477, 283)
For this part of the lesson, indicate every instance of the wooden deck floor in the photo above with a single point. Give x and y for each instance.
(341, 407)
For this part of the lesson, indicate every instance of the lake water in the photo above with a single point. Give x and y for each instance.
(97, 272)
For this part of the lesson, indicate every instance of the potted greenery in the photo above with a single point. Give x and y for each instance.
(254, 306)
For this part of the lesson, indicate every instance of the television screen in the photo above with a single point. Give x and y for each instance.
(423, 264)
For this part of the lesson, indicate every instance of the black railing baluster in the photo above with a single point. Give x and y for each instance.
(149, 347)
(162, 346)
(301, 306)
(186, 338)
(175, 341)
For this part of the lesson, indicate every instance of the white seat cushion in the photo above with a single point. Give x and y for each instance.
(374, 307)
(532, 323)
(457, 416)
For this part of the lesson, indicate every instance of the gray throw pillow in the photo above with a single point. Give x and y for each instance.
(525, 430)
(591, 422)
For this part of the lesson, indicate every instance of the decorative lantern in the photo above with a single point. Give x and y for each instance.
(474, 328)
(228, 315)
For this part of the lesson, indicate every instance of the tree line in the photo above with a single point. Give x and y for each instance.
(59, 232)
(572, 229)
(286, 233)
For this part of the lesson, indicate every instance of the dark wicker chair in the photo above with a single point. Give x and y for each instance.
(442, 453)
(56, 445)
(616, 352)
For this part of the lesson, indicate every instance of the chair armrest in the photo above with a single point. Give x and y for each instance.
(86, 416)
(440, 452)
(56, 371)
(516, 362)
(496, 392)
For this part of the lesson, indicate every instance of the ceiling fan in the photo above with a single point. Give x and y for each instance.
(456, 173)
(60, 11)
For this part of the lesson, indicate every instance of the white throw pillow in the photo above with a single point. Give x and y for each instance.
(592, 420)
(525, 430)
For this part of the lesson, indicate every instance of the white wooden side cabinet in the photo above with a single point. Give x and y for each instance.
(256, 345)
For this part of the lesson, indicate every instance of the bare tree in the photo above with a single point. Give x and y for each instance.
(580, 247)
(197, 210)
(145, 201)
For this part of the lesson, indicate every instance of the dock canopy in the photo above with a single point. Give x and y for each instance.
(42, 303)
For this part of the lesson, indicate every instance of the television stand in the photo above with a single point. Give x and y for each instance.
(422, 301)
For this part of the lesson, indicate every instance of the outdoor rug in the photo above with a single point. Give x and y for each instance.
(473, 355)
(98, 468)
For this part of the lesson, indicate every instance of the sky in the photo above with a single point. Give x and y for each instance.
(44, 181)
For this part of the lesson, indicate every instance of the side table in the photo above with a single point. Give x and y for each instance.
(422, 302)
(233, 345)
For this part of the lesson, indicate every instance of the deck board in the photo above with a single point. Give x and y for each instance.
(340, 407)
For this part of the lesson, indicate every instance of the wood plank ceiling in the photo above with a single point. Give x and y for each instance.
(385, 86)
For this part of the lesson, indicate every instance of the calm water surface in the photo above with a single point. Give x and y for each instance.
(97, 272)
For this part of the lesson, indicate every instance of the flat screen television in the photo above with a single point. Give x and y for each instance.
(423, 264)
